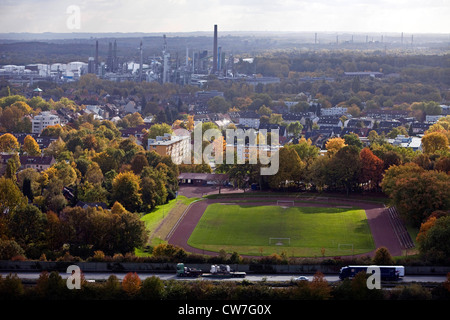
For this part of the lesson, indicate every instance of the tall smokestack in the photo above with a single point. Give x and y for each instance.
(96, 58)
(115, 57)
(214, 70)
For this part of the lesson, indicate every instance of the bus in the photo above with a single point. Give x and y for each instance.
(386, 272)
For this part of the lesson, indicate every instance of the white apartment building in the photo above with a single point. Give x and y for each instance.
(177, 147)
(43, 120)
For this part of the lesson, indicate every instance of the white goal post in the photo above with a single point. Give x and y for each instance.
(285, 203)
(346, 247)
(279, 241)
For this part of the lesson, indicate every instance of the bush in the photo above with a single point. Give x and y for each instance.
(11, 287)
(152, 288)
(10, 249)
(382, 257)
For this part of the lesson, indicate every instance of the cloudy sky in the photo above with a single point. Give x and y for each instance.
(413, 16)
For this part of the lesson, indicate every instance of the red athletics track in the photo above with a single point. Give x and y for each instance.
(378, 219)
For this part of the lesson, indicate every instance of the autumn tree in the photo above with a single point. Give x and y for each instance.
(319, 287)
(372, 168)
(417, 192)
(8, 143)
(435, 141)
(333, 145)
(131, 284)
(30, 146)
(94, 174)
(117, 208)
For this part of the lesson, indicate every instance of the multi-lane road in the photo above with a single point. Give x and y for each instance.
(101, 276)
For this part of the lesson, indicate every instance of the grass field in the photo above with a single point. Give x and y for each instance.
(161, 220)
(313, 231)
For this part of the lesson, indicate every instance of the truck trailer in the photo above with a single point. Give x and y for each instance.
(223, 271)
(216, 271)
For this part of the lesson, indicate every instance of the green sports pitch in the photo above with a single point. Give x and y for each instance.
(297, 231)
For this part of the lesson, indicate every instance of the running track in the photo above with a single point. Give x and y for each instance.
(377, 216)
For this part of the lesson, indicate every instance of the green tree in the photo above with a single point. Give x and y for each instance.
(10, 249)
(218, 104)
(290, 171)
(158, 130)
(382, 257)
(10, 196)
(27, 226)
(295, 128)
(152, 288)
(352, 139)
(434, 244)
(345, 167)
(126, 189)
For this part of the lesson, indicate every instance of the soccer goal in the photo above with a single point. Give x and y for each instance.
(346, 248)
(279, 241)
(285, 203)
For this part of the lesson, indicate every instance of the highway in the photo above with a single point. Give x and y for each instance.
(94, 277)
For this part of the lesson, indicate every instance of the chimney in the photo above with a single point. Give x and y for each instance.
(214, 70)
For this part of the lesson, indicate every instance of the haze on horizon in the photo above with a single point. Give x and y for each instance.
(171, 16)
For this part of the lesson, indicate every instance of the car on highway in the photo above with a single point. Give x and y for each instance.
(301, 278)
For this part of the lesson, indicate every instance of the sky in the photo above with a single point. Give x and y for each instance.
(98, 16)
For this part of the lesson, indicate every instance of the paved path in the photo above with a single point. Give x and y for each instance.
(377, 216)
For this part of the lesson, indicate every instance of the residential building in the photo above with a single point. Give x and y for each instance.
(334, 111)
(178, 147)
(43, 120)
(38, 163)
(414, 143)
(419, 127)
(203, 179)
(433, 118)
(249, 119)
(331, 121)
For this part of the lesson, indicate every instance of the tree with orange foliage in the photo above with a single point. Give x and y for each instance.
(131, 284)
(424, 227)
(371, 169)
(319, 287)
